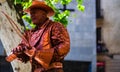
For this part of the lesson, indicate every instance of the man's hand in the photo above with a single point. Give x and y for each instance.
(30, 52)
(18, 49)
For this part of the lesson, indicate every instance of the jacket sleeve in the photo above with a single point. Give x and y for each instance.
(60, 41)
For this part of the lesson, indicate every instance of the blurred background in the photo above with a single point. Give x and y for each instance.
(94, 38)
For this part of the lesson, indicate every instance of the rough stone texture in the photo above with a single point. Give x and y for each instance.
(9, 37)
(112, 65)
(111, 26)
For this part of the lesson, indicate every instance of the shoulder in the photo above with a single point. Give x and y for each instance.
(57, 25)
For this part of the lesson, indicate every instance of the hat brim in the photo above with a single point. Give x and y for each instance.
(49, 10)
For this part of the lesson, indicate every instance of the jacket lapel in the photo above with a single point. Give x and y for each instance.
(38, 34)
(35, 37)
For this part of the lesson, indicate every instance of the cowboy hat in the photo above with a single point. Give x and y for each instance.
(40, 4)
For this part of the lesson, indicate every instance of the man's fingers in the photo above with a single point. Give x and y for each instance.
(17, 49)
(14, 50)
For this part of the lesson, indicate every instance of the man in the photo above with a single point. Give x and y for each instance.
(47, 44)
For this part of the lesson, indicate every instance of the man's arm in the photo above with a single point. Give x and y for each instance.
(18, 52)
(60, 41)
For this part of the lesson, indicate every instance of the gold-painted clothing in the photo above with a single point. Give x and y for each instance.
(52, 44)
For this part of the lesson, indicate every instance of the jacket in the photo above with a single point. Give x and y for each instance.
(52, 44)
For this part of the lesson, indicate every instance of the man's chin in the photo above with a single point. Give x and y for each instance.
(35, 23)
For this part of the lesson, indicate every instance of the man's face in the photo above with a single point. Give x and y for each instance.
(38, 16)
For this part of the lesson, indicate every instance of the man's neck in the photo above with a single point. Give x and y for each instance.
(41, 24)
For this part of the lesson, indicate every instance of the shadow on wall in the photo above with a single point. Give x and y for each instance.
(77, 66)
(4, 65)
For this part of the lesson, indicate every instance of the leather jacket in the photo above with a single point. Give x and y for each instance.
(52, 44)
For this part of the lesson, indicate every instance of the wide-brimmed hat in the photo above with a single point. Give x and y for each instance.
(41, 5)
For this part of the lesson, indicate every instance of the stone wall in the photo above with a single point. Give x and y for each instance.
(9, 37)
(111, 26)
